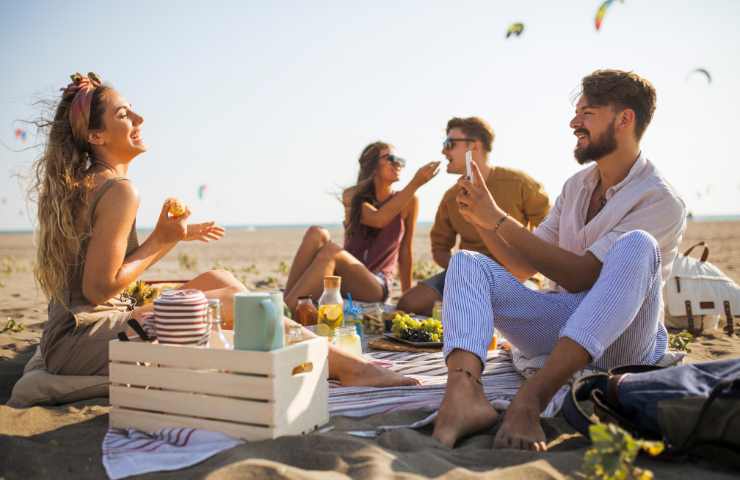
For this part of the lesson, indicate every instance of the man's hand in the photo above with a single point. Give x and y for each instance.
(476, 203)
(204, 232)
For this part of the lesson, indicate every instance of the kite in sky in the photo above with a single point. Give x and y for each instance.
(515, 29)
(20, 134)
(201, 191)
(601, 12)
(700, 71)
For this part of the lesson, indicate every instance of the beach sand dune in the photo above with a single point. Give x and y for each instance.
(65, 441)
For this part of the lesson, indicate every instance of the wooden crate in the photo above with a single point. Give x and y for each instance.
(246, 394)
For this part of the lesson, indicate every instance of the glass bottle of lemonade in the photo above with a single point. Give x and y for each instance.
(331, 306)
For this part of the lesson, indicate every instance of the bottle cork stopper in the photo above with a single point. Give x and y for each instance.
(332, 281)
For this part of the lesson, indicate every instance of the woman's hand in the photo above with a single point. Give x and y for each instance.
(204, 232)
(425, 173)
(476, 203)
(171, 229)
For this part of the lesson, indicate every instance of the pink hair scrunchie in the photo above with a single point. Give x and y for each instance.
(82, 87)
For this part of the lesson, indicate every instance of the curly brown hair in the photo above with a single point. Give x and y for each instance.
(621, 89)
(474, 127)
(61, 179)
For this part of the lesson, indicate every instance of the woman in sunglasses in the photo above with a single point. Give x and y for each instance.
(379, 227)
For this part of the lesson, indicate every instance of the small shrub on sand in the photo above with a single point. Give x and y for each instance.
(187, 261)
(12, 326)
(680, 341)
(424, 269)
(613, 454)
(283, 267)
(9, 265)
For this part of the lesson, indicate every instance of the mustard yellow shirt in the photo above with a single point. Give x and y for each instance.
(514, 191)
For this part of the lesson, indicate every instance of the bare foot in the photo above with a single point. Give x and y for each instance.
(464, 410)
(521, 429)
(369, 375)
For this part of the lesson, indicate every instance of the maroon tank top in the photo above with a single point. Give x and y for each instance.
(378, 250)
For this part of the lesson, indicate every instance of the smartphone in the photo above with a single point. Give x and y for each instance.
(468, 165)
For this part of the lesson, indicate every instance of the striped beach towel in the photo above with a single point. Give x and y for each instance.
(129, 452)
(500, 379)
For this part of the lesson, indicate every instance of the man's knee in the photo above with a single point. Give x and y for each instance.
(636, 247)
(463, 260)
(317, 234)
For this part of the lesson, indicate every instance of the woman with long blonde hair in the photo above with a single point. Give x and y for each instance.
(88, 251)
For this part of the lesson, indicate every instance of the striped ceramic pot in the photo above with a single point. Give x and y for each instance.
(181, 317)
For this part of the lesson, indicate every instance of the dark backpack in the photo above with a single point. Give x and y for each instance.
(694, 409)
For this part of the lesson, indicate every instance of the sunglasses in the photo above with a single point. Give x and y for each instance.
(449, 142)
(395, 160)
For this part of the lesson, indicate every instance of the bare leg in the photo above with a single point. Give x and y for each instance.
(465, 408)
(331, 260)
(419, 299)
(351, 370)
(314, 238)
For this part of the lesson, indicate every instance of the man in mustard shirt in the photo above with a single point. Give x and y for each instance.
(516, 192)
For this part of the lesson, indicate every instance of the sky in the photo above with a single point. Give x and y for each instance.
(269, 104)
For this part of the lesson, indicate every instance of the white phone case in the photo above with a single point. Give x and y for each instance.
(468, 165)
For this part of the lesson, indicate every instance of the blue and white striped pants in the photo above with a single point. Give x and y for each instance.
(616, 321)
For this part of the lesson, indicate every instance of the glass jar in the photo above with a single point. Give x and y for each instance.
(331, 313)
(216, 337)
(305, 311)
(347, 339)
(437, 310)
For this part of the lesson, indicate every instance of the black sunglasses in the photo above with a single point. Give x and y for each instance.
(449, 142)
(394, 159)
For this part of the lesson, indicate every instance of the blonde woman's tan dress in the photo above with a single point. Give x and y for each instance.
(75, 338)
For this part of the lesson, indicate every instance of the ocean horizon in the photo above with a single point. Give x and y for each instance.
(334, 225)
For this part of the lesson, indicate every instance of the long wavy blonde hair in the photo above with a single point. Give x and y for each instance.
(60, 181)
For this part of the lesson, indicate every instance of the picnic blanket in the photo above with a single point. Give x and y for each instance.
(129, 452)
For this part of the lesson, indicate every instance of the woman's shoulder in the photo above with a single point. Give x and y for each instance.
(118, 192)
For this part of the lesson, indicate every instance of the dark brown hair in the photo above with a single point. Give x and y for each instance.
(620, 90)
(365, 188)
(474, 127)
(59, 184)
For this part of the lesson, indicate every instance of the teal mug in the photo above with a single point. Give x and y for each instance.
(258, 321)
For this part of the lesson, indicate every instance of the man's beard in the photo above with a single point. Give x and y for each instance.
(597, 148)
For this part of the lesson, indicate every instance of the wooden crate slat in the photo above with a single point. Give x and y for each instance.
(196, 405)
(206, 388)
(152, 422)
(198, 381)
(192, 357)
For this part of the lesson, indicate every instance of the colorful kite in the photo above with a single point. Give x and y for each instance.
(601, 12)
(515, 29)
(701, 71)
(201, 191)
(20, 134)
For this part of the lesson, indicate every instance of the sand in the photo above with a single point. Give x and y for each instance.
(64, 442)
